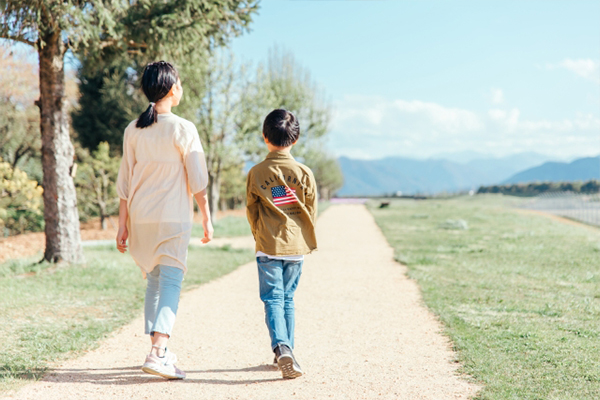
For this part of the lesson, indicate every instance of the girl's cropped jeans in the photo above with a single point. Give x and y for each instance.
(162, 299)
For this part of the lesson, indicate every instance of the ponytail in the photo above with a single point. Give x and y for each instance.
(148, 117)
(158, 79)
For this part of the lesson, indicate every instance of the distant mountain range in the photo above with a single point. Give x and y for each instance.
(394, 174)
(582, 169)
(498, 169)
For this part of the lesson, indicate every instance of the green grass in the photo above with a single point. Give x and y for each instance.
(323, 205)
(57, 312)
(519, 294)
(233, 226)
(23, 266)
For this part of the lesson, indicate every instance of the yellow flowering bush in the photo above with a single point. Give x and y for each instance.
(21, 205)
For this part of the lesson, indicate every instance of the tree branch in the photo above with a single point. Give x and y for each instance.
(20, 39)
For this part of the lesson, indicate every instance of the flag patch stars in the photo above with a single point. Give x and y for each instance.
(283, 195)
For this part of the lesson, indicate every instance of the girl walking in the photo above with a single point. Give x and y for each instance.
(163, 166)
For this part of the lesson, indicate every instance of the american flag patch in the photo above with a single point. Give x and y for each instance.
(283, 195)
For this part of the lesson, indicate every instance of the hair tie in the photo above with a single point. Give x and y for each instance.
(152, 104)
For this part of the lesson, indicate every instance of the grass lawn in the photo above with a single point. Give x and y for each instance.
(519, 294)
(230, 226)
(233, 226)
(48, 314)
(323, 205)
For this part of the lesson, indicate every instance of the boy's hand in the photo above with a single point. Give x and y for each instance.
(122, 236)
(208, 231)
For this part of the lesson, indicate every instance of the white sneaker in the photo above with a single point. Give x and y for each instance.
(170, 356)
(162, 366)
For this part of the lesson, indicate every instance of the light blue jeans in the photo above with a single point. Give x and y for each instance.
(162, 299)
(278, 280)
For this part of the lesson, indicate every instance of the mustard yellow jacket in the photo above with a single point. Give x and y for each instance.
(282, 205)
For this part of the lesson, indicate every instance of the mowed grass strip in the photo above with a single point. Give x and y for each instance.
(49, 313)
(519, 293)
(230, 226)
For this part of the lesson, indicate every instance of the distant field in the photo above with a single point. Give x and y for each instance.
(519, 294)
(48, 313)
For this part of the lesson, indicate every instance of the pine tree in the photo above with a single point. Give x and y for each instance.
(110, 99)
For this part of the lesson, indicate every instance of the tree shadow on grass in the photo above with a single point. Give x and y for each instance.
(134, 376)
(21, 372)
(20, 268)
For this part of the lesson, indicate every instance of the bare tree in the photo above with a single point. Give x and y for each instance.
(213, 104)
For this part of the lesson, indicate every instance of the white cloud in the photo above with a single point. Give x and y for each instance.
(447, 119)
(396, 113)
(585, 68)
(497, 96)
(374, 127)
(510, 120)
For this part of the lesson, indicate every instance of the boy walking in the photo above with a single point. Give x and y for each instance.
(282, 208)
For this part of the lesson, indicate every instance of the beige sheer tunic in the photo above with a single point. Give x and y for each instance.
(162, 166)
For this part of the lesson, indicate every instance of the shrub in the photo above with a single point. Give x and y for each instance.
(95, 181)
(21, 205)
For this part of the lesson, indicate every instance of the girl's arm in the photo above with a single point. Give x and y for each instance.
(123, 234)
(202, 200)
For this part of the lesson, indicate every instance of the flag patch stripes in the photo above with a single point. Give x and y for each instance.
(283, 195)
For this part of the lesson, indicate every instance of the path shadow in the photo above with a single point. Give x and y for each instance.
(134, 376)
(258, 368)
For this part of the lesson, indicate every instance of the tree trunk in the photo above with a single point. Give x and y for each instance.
(63, 239)
(103, 218)
(214, 187)
(325, 194)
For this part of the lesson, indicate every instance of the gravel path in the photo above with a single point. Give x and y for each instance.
(362, 333)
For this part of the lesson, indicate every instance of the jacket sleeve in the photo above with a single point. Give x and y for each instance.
(312, 198)
(126, 168)
(252, 203)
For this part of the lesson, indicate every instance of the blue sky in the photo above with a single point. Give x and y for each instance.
(422, 78)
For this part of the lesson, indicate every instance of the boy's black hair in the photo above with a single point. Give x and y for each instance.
(281, 128)
(158, 79)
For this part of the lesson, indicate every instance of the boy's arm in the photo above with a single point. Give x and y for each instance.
(251, 204)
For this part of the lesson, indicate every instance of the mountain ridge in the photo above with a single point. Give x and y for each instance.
(581, 169)
(411, 176)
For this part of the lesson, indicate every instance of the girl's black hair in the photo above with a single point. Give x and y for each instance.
(158, 79)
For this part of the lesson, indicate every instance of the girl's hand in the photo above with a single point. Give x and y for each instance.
(208, 231)
(122, 236)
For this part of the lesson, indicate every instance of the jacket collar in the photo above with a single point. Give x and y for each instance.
(280, 155)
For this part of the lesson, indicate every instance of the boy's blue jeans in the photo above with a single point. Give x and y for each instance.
(162, 298)
(278, 280)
